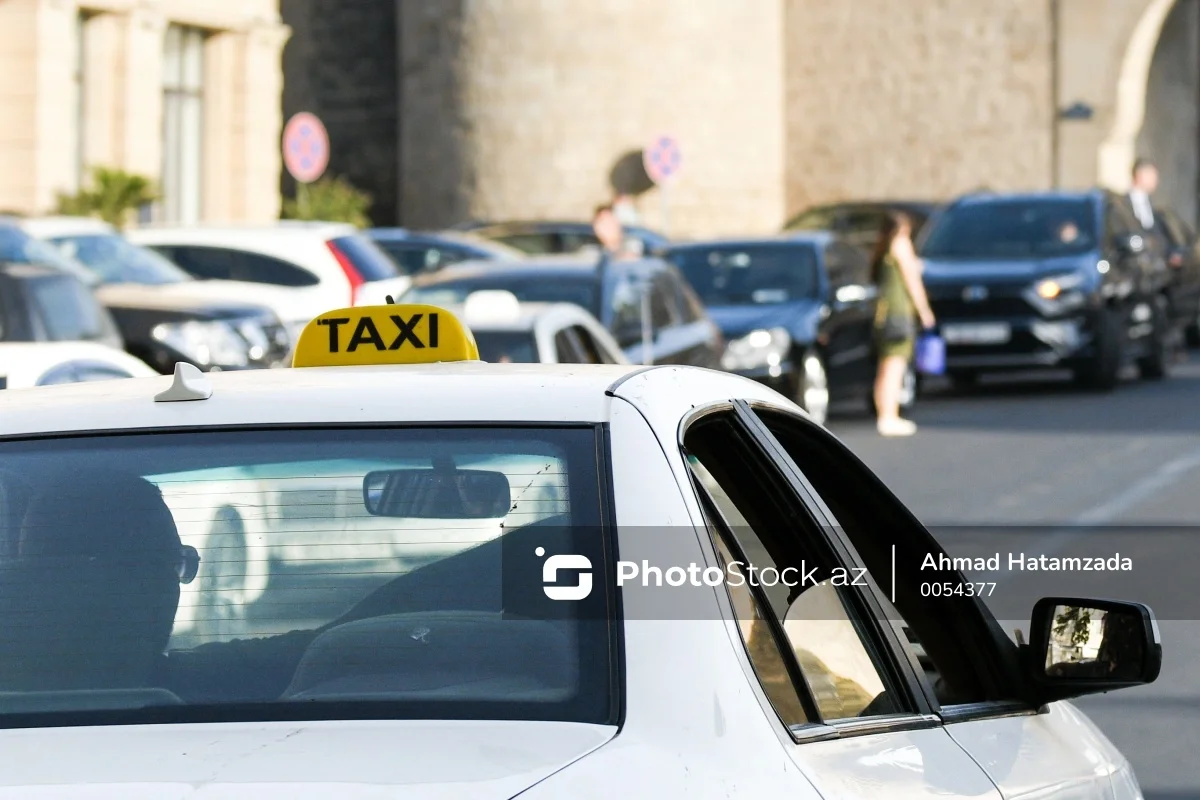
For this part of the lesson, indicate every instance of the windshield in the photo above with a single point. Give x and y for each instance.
(67, 309)
(507, 347)
(556, 289)
(761, 274)
(242, 576)
(18, 247)
(117, 260)
(1013, 230)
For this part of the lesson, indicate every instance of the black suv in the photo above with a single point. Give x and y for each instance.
(1054, 280)
(640, 301)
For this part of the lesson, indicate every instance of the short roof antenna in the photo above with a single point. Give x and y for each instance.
(189, 384)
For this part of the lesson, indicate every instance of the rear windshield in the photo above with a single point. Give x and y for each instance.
(315, 574)
(551, 289)
(756, 275)
(117, 260)
(507, 347)
(1013, 230)
(67, 309)
(371, 263)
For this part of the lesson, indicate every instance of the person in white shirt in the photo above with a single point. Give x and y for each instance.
(1145, 182)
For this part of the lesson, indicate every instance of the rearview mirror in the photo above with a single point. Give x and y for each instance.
(437, 494)
(1081, 646)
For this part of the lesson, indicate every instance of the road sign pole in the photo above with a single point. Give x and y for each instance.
(666, 210)
(302, 198)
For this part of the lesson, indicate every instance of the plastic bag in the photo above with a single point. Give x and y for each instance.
(931, 353)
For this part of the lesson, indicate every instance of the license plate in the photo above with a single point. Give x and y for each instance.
(979, 333)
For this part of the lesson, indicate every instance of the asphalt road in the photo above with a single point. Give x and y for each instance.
(1039, 452)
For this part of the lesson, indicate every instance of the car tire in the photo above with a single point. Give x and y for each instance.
(222, 576)
(1153, 366)
(1102, 372)
(963, 378)
(812, 387)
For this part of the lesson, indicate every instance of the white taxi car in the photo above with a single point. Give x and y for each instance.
(616, 636)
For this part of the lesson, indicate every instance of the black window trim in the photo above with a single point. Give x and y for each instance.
(992, 709)
(922, 718)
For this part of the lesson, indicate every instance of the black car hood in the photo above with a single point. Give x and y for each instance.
(799, 318)
(175, 300)
(947, 272)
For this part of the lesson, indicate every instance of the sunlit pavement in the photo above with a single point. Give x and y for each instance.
(1041, 452)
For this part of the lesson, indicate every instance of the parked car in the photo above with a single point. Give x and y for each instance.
(44, 303)
(1046, 280)
(507, 330)
(797, 312)
(416, 252)
(298, 269)
(859, 222)
(1183, 256)
(552, 237)
(165, 315)
(26, 365)
(639, 301)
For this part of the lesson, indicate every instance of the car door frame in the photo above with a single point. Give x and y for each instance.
(988, 731)
(845, 336)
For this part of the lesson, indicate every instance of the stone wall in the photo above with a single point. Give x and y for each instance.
(948, 96)
(1171, 132)
(341, 65)
(521, 108)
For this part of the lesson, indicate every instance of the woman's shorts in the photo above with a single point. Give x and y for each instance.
(903, 349)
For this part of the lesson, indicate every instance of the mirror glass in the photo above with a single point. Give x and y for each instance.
(851, 294)
(437, 494)
(1104, 644)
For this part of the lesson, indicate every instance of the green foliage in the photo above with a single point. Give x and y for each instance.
(1076, 621)
(329, 200)
(113, 196)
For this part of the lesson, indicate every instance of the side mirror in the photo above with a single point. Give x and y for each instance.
(1130, 244)
(853, 293)
(1081, 646)
(437, 494)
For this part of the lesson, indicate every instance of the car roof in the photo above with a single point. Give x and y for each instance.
(808, 238)
(560, 266)
(418, 393)
(985, 198)
(462, 238)
(223, 232)
(464, 391)
(526, 319)
(54, 227)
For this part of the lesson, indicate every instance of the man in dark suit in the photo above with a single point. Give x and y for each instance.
(1140, 202)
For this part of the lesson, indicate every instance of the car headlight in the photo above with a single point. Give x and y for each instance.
(761, 348)
(1057, 294)
(209, 343)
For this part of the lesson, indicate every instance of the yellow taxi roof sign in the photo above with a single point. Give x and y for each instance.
(391, 334)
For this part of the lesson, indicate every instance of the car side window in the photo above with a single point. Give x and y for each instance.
(412, 259)
(959, 646)
(568, 348)
(663, 303)
(784, 567)
(687, 304)
(627, 311)
(846, 265)
(220, 263)
(591, 351)
(529, 243)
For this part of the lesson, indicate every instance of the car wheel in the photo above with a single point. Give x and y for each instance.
(812, 388)
(1153, 365)
(1102, 371)
(963, 379)
(222, 576)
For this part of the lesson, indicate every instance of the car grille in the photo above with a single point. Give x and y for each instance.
(1002, 301)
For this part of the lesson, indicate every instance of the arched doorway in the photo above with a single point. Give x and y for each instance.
(1170, 133)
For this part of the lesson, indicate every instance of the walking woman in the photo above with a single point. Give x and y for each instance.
(896, 271)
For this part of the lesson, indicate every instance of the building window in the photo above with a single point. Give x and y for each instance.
(183, 123)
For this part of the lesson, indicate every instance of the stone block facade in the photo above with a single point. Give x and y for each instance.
(81, 85)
